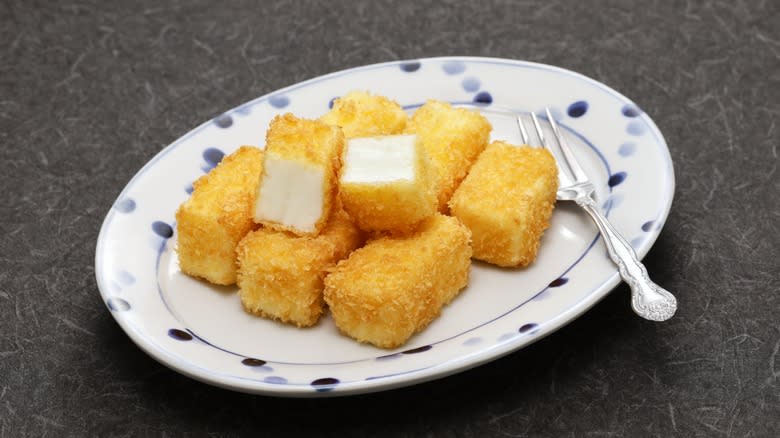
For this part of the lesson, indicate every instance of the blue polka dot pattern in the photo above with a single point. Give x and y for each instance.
(331, 102)
(578, 109)
(224, 121)
(647, 226)
(484, 98)
(454, 67)
(526, 328)
(410, 67)
(635, 128)
(162, 229)
(213, 156)
(325, 384)
(507, 336)
(189, 189)
(179, 335)
(627, 149)
(252, 362)
(471, 84)
(126, 205)
(636, 242)
(417, 350)
(276, 380)
(279, 101)
(631, 111)
(244, 110)
(616, 178)
(117, 305)
(558, 282)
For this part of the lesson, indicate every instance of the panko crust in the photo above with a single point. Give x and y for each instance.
(453, 138)
(395, 286)
(310, 142)
(362, 114)
(218, 214)
(507, 201)
(395, 207)
(280, 275)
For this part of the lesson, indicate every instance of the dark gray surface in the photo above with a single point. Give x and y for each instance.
(90, 91)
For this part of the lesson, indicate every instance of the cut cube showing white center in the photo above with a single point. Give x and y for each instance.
(380, 159)
(291, 193)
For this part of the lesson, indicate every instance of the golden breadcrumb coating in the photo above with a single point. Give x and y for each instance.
(395, 286)
(453, 139)
(280, 275)
(393, 206)
(312, 145)
(507, 201)
(361, 114)
(217, 215)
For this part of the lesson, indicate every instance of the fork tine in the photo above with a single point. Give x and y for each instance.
(539, 131)
(523, 132)
(571, 160)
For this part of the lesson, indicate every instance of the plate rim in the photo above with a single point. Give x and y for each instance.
(413, 377)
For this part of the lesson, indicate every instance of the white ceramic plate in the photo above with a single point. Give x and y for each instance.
(202, 331)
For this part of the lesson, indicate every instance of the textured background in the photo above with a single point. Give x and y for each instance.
(89, 91)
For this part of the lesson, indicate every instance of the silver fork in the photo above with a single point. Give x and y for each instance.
(648, 300)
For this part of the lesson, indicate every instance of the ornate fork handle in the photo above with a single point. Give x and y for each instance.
(648, 300)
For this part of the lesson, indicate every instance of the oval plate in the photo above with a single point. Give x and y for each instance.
(201, 330)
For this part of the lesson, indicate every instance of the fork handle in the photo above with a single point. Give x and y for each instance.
(648, 300)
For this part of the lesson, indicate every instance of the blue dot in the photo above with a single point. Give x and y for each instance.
(635, 128)
(125, 278)
(484, 98)
(558, 282)
(410, 67)
(117, 305)
(325, 384)
(636, 242)
(244, 110)
(647, 226)
(279, 101)
(223, 121)
(471, 84)
(213, 156)
(252, 362)
(162, 229)
(331, 102)
(126, 205)
(179, 335)
(454, 67)
(276, 380)
(417, 350)
(627, 149)
(631, 110)
(525, 328)
(578, 109)
(616, 178)
(507, 336)
(189, 189)
(472, 341)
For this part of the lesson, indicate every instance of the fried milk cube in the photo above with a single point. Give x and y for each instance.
(300, 175)
(453, 138)
(217, 216)
(395, 286)
(385, 183)
(507, 201)
(361, 114)
(280, 275)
